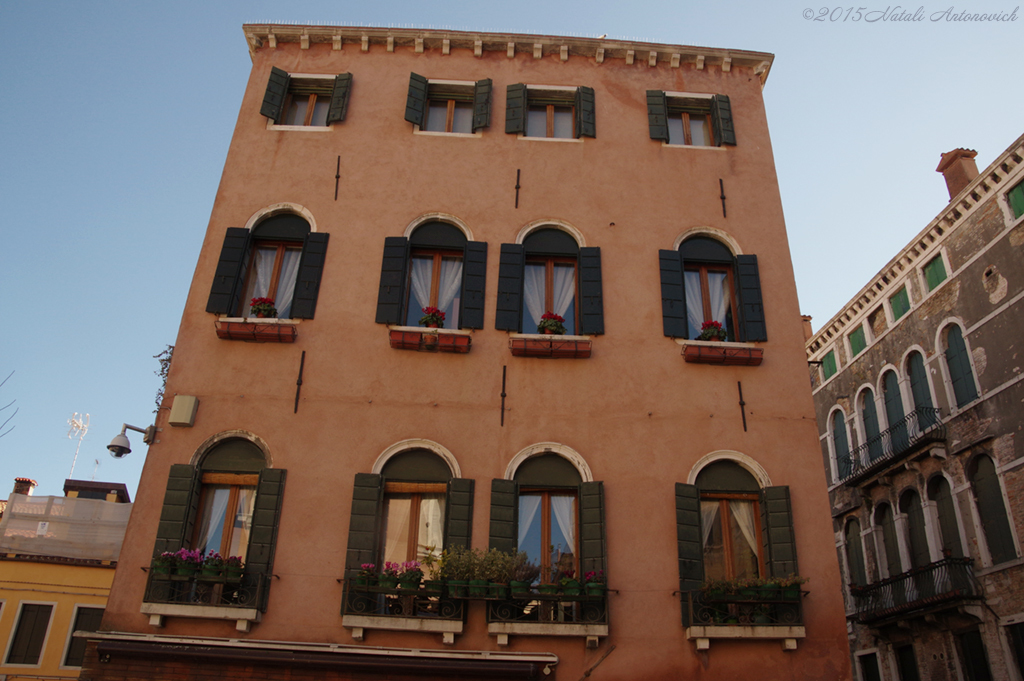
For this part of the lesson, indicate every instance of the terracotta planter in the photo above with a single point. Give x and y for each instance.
(730, 356)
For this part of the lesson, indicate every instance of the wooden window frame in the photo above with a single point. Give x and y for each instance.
(687, 133)
(549, 282)
(416, 490)
(705, 291)
(450, 103)
(550, 108)
(235, 482)
(435, 275)
(310, 107)
(727, 539)
(275, 276)
(546, 569)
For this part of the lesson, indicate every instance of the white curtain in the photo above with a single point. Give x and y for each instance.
(528, 507)
(286, 283)
(694, 302)
(396, 538)
(259, 284)
(422, 271)
(565, 288)
(243, 522)
(533, 294)
(563, 508)
(743, 512)
(449, 288)
(708, 514)
(718, 283)
(213, 518)
(431, 530)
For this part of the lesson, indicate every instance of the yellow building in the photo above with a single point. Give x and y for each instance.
(57, 560)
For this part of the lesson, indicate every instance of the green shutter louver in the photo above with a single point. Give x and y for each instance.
(416, 102)
(474, 285)
(959, 365)
(585, 111)
(482, 104)
(230, 274)
(673, 302)
(390, 296)
(510, 287)
(1015, 197)
(748, 285)
(593, 549)
(591, 303)
(657, 117)
(273, 98)
(504, 529)
(266, 516)
(458, 521)
(721, 120)
(844, 464)
(307, 281)
(364, 522)
(920, 390)
(777, 528)
(515, 109)
(689, 539)
(181, 502)
(339, 98)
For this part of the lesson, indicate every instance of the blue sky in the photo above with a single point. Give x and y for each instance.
(119, 116)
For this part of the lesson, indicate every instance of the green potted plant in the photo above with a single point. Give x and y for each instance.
(187, 563)
(712, 331)
(410, 575)
(570, 585)
(262, 307)
(749, 588)
(213, 565)
(367, 575)
(497, 567)
(233, 569)
(717, 589)
(389, 577)
(456, 568)
(594, 583)
(432, 318)
(551, 323)
(524, 574)
(791, 587)
(432, 582)
(164, 563)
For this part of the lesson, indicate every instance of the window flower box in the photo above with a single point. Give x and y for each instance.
(429, 340)
(262, 331)
(729, 354)
(551, 346)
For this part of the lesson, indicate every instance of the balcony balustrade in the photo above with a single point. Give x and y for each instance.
(937, 585)
(920, 427)
(763, 607)
(206, 590)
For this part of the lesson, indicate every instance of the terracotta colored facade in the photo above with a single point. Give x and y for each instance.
(618, 402)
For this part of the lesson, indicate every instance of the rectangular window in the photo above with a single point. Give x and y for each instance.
(934, 272)
(86, 619)
(1016, 199)
(435, 280)
(828, 365)
(549, 115)
(308, 101)
(689, 120)
(549, 285)
(899, 303)
(708, 297)
(550, 112)
(732, 535)
(29, 634)
(449, 107)
(857, 341)
(548, 518)
(272, 274)
(413, 520)
(225, 513)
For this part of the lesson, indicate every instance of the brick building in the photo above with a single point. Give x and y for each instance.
(917, 387)
(627, 188)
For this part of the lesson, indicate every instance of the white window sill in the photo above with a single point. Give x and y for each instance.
(430, 625)
(715, 344)
(577, 140)
(243, 616)
(424, 329)
(546, 629)
(300, 128)
(692, 146)
(788, 635)
(437, 133)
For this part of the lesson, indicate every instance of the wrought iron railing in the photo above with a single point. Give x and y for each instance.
(245, 591)
(923, 588)
(556, 608)
(425, 600)
(923, 425)
(762, 607)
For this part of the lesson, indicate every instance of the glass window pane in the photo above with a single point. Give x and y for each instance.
(714, 541)
(430, 533)
(563, 122)
(242, 522)
(296, 114)
(699, 130)
(397, 512)
(437, 115)
(563, 534)
(563, 297)
(530, 527)
(744, 538)
(534, 296)
(421, 273)
(537, 121)
(286, 282)
(718, 290)
(463, 120)
(211, 524)
(694, 303)
(323, 104)
(259, 278)
(675, 129)
(449, 290)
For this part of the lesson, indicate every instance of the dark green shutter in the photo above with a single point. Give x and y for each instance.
(307, 282)
(266, 516)
(988, 496)
(894, 413)
(474, 284)
(29, 634)
(843, 463)
(482, 104)
(1015, 197)
(86, 619)
(673, 301)
(181, 502)
(919, 553)
(416, 102)
(689, 539)
(751, 306)
(948, 528)
(959, 366)
(777, 528)
(392, 280)
(869, 414)
(593, 549)
(273, 98)
(229, 278)
(458, 520)
(364, 523)
(504, 531)
(586, 116)
(591, 303)
(919, 389)
(339, 97)
(721, 120)
(510, 287)
(515, 109)
(657, 117)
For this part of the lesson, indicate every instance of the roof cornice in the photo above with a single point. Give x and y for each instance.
(600, 49)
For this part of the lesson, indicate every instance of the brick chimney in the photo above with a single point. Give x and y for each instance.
(808, 330)
(959, 169)
(24, 486)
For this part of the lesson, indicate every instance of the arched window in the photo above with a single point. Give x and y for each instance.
(920, 390)
(894, 412)
(940, 493)
(959, 365)
(435, 267)
(550, 272)
(844, 465)
(988, 498)
(280, 259)
(917, 537)
(869, 421)
(703, 282)
(889, 554)
(855, 553)
(230, 472)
